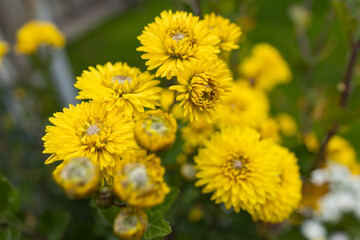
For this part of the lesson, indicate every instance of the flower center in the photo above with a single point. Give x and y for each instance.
(157, 125)
(121, 79)
(139, 176)
(236, 166)
(180, 43)
(93, 129)
(178, 36)
(204, 90)
(78, 171)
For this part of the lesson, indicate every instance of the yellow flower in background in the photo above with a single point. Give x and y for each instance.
(311, 142)
(202, 88)
(88, 130)
(244, 105)
(120, 86)
(288, 193)
(195, 133)
(265, 67)
(79, 177)
(155, 130)
(269, 129)
(139, 180)
(130, 223)
(287, 124)
(175, 41)
(167, 98)
(239, 168)
(341, 151)
(229, 33)
(4, 48)
(34, 34)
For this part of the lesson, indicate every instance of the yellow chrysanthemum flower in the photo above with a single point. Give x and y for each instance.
(288, 193)
(79, 177)
(311, 141)
(155, 130)
(167, 98)
(269, 129)
(130, 223)
(120, 86)
(265, 68)
(229, 33)
(287, 124)
(4, 48)
(175, 41)
(139, 180)
(36, 33)
(202, 88)
(340, 150)
(88, 130)
(195, 134)
(239, 168)
(244, 105)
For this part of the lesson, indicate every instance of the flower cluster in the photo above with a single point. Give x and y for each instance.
(113, 136)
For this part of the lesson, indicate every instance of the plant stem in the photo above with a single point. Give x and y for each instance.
(197, 7)
(117, 204)
(343, 100)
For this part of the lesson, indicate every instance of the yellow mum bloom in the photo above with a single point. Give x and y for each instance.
(341, 151)
(195, 134)
(244, 105)
(229, 33)
(311, 141)
(139, 180)
(175, 41)
(202, 88)
(287, 124)
(89, 130)
(288, 193)
(120, 86)
(130, 223)
(36, 33)
(239, 168)
(155, 130)
(4, 48)
(167, 98)
(79, 177)
(269, 129)
(265, 68)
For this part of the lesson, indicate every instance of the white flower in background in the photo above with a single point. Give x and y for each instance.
(343, 196)
(334, 204)
(313, 229)
(339, 236)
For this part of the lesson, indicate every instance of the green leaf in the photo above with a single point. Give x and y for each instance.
(169, 199)
(109, 214)
(348, 23)
(10, 233)
(157, 226)
(6, 193)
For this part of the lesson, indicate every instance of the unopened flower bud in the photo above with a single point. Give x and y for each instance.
(104, 197)
(79, 177)
(130, 223)
(155, 130)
